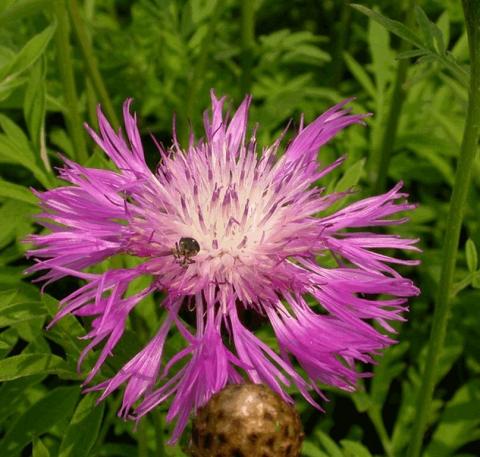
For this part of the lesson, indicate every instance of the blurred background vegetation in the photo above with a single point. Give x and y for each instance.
(59, 59)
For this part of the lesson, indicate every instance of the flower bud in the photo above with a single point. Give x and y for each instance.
(246, 420)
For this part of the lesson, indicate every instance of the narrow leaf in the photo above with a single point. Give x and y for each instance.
(425, 27)
(39, 449)
(395, 27)
(83, 430)
(459, 423)
(57, 405)
(29, 54)
(34, 104)
(472, 256)
(16, 192)
(30, 364)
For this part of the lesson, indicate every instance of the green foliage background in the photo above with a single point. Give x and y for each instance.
(298, 56)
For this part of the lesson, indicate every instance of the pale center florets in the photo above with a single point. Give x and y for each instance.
(238, 209)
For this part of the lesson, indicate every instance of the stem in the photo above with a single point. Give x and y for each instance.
(92, 100)
(196, 77)
(341, 38)
(159, 435)
(454, 223)
(248, 43)
(91, 62)
(377, 421)
(65, 66)
(395, 105)
(142, 438)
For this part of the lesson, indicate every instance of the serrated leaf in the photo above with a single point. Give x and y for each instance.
(57, 405)
(82, 432)
(472, 256)
(22, 365)
(395, 27)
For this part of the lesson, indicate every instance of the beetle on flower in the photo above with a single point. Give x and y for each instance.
(221, 229)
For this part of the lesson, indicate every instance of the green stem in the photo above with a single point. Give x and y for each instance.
(375, 416)
(248, 43)
(92, 100)
(395, 105)
(142, 438)
(159, 434)
(454, 223)
(91, 62)
(65, 66)
(196, 76)
(341, 38)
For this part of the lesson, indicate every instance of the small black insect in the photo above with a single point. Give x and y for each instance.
(185, 249)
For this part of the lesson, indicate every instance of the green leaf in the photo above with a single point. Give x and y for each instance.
(459, 423)
(351, 176)
(21, 8)
(8, 338)
(472, 256)
(15, 313)
(382, 56)
(66, 331)
(28, 55)
(12, 395)
(412, 53)
(425, 27)
(121, 450)
(395, 27)
(39, 449)
(310, 450)
(57, 405)
(354, 449)
(360, 74)
(328, 444)
(34, 105)
(476, 280)
(82, 432)
(15, 148)
(390, 366)
(16, 192)
(30, 364)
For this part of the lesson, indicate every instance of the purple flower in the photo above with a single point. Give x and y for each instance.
(225, 232)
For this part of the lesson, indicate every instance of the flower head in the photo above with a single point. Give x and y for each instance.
(223, 230)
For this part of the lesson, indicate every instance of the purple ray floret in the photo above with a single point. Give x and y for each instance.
(225, 232)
